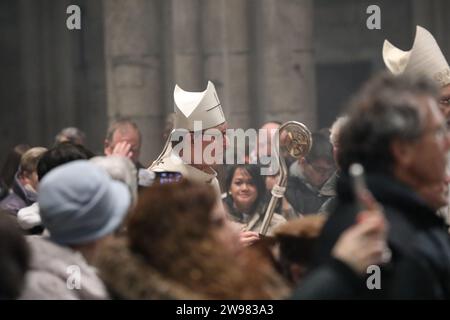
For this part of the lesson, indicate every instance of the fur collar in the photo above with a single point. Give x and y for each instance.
(127, 276)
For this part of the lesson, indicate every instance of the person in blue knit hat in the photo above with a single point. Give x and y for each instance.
(80, 206)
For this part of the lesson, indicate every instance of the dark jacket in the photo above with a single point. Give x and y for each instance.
(306, 199)
(331, 281)
(418, 239)
(19, 198)
(3, 189)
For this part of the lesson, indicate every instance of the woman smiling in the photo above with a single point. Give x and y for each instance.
(245, 197)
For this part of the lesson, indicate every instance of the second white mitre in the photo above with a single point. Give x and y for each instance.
(424, 59)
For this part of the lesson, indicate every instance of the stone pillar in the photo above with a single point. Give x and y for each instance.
(226, 51)
(182, 56)
(283, 65)
(133, 49)
(187, 45)
(91, 112)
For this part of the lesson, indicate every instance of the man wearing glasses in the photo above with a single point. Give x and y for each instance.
(307, 186)
(424, 59)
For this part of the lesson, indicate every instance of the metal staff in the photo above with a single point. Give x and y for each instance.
(298, 142)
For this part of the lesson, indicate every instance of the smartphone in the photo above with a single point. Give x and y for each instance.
(362, 194)
(358, 181)
(167, 177)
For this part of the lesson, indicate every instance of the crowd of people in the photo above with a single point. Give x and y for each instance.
(76, 225)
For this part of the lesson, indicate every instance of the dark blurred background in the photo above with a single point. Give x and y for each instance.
(270, 59)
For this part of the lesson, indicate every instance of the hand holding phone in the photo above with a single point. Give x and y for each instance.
(364, 198)
(367, 204)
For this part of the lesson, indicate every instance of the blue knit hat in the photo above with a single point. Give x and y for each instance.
(80, 203)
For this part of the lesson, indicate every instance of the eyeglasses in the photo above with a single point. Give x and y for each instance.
(321, 170)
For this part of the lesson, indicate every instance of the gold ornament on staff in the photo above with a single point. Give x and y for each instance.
(296, 139)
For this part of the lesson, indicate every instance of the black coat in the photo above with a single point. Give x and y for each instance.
(418, 239)
(331, 281)
(304, 198)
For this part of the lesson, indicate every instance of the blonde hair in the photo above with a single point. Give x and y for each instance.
(30, 159)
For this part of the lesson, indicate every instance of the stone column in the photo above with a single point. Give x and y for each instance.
(187, 45)
(133, 49)
(182, 56)
(91, 113)
(283, 65)
(226, 49)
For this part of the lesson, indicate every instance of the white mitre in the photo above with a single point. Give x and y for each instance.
(189, 108)
(197, 106)
(424, 59)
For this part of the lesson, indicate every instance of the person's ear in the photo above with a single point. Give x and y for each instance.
(402, 152)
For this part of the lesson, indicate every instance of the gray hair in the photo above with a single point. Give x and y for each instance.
(29, 160)
(71, 134)
(387, 108)
(336, 128)
(119, 124)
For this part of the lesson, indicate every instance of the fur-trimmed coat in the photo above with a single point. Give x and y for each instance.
(128, 276)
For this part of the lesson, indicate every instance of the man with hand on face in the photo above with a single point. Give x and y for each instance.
(124, 138)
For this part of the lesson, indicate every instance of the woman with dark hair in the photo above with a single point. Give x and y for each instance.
(245, 197)
(10, 167)
(12, 162)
